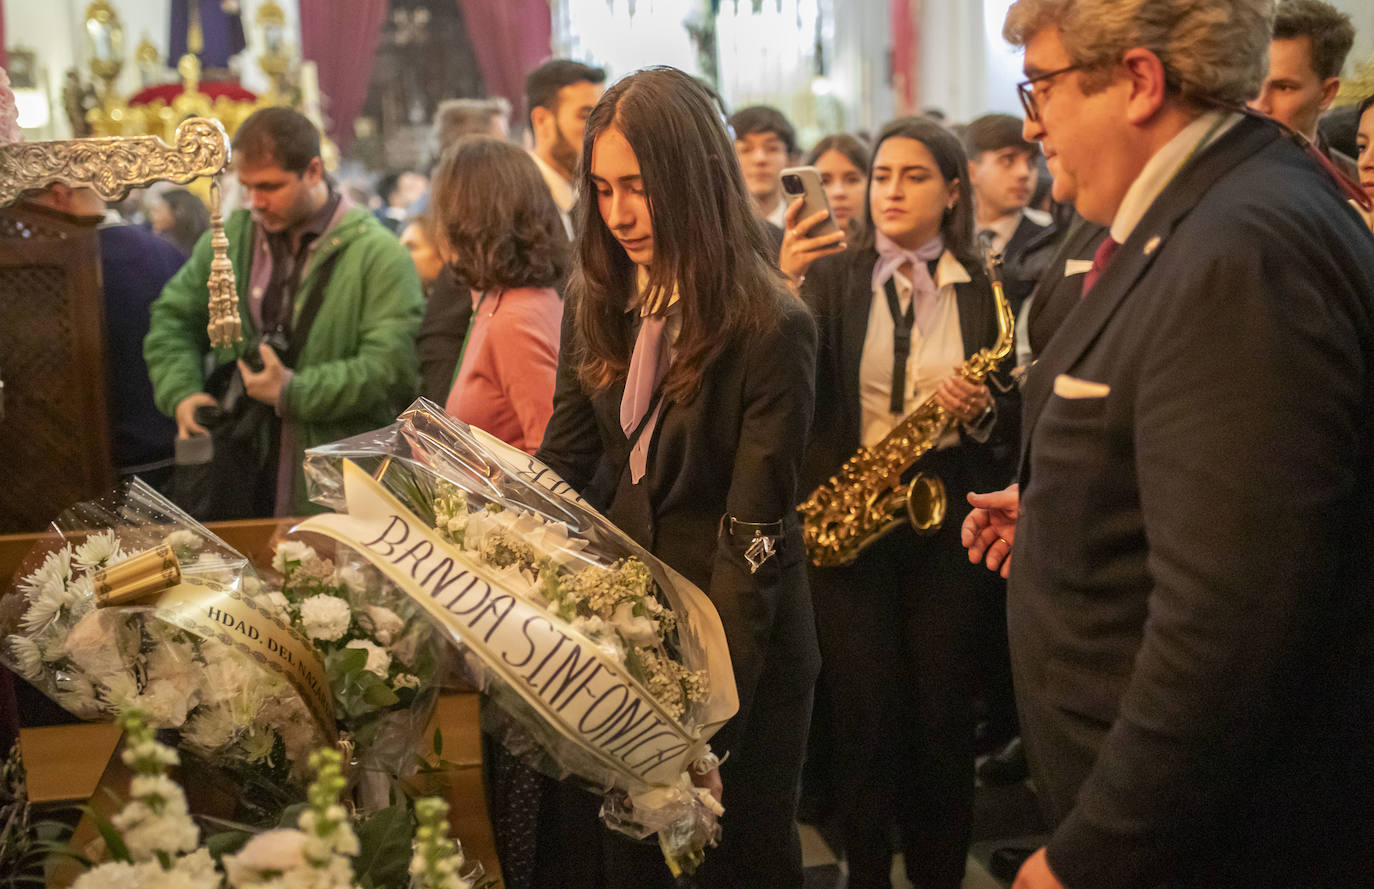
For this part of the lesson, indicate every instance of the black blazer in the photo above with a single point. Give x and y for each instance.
(733, 450)
(1025, 258)
(1190, 608)
(839, 291)
(1057, 293)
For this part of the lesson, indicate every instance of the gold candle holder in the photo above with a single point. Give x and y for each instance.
(137, 576)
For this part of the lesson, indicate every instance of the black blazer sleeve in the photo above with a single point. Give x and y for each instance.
(572, 445)
(777, 402)
(448, 312)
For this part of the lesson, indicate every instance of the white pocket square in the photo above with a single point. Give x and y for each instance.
(1077, 267)
(1066, 386)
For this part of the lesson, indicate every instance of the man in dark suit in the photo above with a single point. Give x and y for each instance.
(1311, 41)
(1002, 173)
(1190, 612)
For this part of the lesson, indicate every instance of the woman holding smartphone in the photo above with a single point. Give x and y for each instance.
(684, 386)
(841, 162)
(899, 313)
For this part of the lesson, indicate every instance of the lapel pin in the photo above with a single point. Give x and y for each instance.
(1152, 245)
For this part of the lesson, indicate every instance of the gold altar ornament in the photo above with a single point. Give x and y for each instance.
(114, 166)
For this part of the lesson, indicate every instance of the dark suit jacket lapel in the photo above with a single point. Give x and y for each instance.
(1026, 231)
(975, 316)
(1086, 320)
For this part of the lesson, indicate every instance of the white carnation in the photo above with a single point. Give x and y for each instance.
(384, 624)
(251, 585)
(354, 578)
(167, 701)
(325, 617)
(274, 851)
(184, 539)
(94, 644)
(378, 660)
(168, 659)
(636, 630)
(28, 657)
(275, 603)
(100, 550)
(292, 551)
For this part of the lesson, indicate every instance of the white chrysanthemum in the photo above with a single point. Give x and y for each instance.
(76, 694)
(57, 566)
(292, 551)
(28, 657)
(101, 550)
(211, 728)
(325, 617)
(45, 604)
(383, 623)
(258, 743)
(121, 690)
(378, 660)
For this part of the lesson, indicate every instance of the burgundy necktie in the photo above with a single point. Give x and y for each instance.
(1105, 251)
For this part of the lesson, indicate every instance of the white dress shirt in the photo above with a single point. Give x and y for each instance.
(934, 353)
(564, 195)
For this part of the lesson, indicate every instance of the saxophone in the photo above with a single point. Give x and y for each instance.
(867, 498)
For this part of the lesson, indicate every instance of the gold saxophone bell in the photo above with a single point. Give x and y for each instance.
(926, 503)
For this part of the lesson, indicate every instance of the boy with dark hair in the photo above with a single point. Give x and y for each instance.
(1310, 42)
(1002, 173)
(765, 143)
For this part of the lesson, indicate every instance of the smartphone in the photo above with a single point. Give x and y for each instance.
(805, 182)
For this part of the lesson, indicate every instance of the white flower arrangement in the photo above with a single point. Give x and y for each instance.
(616, 605)
(153, 842)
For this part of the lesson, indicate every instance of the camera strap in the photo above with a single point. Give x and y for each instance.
(298, 334)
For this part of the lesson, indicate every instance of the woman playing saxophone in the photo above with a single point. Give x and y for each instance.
(900, 313)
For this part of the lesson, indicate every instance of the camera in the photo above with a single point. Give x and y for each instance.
(274, 338)
(792, 184)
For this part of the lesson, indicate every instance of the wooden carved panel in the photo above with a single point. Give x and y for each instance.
(55, 435)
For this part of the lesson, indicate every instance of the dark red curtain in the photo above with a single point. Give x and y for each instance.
(510, 38)
(340, 37)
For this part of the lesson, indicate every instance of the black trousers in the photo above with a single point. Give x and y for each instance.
(900, 630)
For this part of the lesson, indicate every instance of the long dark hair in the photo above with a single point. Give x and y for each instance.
(957, 225)
(492, 207)
(190, 218)
(706, 240)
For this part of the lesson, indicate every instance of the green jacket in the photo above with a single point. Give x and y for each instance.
(358, 368)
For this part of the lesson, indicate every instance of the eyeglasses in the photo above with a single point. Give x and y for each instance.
(1025, 89)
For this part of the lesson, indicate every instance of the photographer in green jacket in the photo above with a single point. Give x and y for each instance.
(330, 303)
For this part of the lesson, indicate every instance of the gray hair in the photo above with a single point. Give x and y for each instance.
(456, 118)
(1212, 50)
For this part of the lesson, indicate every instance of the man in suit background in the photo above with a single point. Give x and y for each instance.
(1003, 169)
(1190, 612)
(1311, 41)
